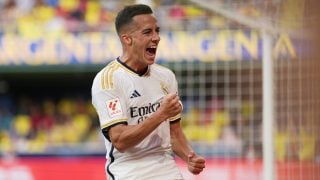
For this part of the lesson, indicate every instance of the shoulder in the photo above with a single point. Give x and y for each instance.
(105, 78)
(162, 70)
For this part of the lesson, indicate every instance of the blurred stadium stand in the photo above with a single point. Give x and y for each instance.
(32, 18)
(45, 109)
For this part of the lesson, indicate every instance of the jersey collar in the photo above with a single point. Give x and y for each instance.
(132, 70)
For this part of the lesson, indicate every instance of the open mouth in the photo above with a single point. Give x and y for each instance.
(151, 50)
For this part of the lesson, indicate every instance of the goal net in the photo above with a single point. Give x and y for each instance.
(225, 100)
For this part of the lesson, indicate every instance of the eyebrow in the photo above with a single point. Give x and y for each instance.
(150, 29)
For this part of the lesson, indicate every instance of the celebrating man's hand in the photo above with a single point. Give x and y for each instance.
(170, 105)
(196, 163)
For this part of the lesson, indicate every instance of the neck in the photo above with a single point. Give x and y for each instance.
(134, 64)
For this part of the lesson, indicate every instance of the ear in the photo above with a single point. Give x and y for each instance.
(126, 39)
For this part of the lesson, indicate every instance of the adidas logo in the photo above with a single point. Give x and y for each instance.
(135, 94)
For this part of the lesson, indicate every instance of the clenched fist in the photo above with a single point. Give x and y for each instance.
(196, 163)
(170, 105)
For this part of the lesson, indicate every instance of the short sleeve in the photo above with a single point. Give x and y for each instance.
(109, 104)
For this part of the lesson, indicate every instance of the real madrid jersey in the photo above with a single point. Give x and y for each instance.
(120, 95)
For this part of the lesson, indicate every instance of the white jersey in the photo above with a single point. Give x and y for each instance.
(120, 95)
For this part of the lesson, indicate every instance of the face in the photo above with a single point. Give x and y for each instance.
(144, 39)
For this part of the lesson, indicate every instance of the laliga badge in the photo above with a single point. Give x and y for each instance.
(114, 107)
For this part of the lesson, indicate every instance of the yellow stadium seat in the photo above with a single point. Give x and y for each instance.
(92, 15)
(22, 125)
(69, 5)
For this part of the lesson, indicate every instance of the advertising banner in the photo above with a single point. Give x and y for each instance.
(99, 48)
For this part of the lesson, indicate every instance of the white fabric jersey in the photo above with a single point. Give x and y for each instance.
(120, 95)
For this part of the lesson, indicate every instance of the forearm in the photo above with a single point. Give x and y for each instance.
(131, 135)
(180, 145)
(126, 136)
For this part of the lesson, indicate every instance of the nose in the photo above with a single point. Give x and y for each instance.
(156, 37)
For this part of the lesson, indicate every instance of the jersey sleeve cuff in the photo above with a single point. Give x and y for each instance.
(105, 128)
(175, 121)
(117, 121)
(177, 117)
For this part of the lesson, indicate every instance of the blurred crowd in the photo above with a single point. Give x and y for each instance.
(32, 18)
(31, 126)
(58, 123)
(69, 125)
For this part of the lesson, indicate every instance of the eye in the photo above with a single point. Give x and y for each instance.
(148, 31)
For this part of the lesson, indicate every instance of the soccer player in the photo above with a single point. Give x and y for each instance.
(138, 106)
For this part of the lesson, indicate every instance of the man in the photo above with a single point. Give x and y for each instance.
(138, 106)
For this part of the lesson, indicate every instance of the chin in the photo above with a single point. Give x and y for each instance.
(150, 61)
(153, 61)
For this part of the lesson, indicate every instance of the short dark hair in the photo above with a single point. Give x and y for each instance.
(125, 16)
